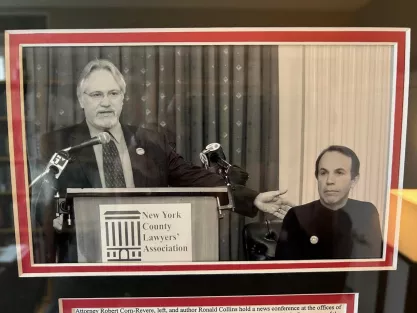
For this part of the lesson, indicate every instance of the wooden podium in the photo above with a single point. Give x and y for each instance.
(123, 232)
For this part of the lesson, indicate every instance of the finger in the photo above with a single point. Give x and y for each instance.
(285, 202)
(283, 210)
(275, 193)
(277, 199)
(57, 224)
(282, 203)
(279, 215)
(282, 192)
(279, 193)
(290, 204)
(274, 207)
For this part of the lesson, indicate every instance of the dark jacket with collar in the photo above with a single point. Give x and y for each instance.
(159, 166)
(311, 231)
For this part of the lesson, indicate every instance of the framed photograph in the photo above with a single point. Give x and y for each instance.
(318, 303)
(206, 151)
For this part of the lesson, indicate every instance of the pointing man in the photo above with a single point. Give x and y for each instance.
(135, 157)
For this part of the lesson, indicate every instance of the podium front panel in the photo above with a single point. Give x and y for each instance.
(204, 224)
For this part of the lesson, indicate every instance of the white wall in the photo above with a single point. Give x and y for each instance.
(334, 95)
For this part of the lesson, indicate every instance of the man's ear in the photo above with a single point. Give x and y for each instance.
(354, 181)
(81, 103)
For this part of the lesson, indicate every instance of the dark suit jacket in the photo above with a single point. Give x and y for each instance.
(159, 166)
(352, 232)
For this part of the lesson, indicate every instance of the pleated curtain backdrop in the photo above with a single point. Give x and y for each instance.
(196, 95)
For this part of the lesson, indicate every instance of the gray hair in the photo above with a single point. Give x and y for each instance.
(100, 64)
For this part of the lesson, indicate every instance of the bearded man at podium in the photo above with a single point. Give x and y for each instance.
(134, 157)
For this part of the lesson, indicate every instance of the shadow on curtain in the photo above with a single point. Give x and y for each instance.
(196, 95)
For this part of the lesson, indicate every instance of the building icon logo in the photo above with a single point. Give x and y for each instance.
(121, 235)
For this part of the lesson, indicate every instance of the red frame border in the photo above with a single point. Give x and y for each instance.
(14, 41)
(350, 299)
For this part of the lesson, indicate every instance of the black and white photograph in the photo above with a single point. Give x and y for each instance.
(210, 153)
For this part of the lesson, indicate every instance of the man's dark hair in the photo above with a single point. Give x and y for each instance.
(354, 170)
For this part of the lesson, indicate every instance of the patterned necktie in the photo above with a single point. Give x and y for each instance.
(112, 165)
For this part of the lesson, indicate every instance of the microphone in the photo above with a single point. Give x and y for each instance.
(58, 163)
(60, 159)
(213, 155)
(56, 166)
(101, 138)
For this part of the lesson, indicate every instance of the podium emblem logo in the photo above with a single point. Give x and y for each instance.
(121, 236)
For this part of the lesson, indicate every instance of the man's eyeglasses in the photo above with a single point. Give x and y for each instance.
(98, 96)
